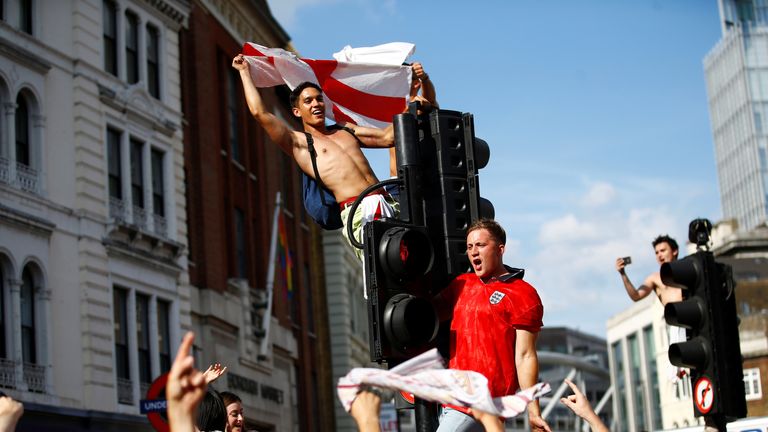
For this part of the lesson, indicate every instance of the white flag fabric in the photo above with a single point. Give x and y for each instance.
(425, 377)
(393, 53)
(362, 93)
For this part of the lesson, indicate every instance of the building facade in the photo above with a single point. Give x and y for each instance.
(94, 289)
(645, 395)
(747, 254)
(562, 352)
(737, 87)
(281, 370)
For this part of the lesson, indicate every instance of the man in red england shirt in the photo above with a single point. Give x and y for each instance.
(496, 317)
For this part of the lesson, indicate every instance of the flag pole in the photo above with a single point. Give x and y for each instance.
(267, 318)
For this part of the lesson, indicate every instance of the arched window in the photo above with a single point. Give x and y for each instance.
(28, 347)
(3, 315)
(22, 131)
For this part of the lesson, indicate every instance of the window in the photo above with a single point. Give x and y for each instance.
(153, 61)
(142, 338)
(28, 349)
(233, 108)
(164, 334)
(636, 382)
(133, 317)
(114, 164)
(158, 190)
(752, 387)
(241, 270)
(25, 16)
(109, 16)
(621, 400)
(131, 48)
(137, 173)
(3, 315)
(145, 206)
(22, 131)
(120, 299)
(653, 378)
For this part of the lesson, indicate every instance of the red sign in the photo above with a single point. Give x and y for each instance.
(157, 391)
(703, 395)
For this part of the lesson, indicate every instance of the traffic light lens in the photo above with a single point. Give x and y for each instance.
(409, 322)
(406, 253)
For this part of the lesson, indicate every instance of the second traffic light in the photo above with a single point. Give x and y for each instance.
(398, 258)
(711, 350)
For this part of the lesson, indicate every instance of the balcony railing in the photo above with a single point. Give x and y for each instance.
(7, 373)
(124, 391)
(25, 177)
(160, 225)
(5, 170)
(34, 377)
(122, 214)
(143, 389)
(140, 217)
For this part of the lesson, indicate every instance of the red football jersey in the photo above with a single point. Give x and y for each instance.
(485, 318)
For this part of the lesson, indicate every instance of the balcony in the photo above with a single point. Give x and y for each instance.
(124, 391)
(137, 217)
(7, 373)
(19, 175)
(34, 377)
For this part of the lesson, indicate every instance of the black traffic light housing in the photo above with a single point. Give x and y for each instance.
(712, 350)
(398, 258)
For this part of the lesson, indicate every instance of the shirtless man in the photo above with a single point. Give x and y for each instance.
(666, 251)
(342, 166)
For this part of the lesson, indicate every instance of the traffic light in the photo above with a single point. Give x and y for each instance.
(402, 321)
(452, 188)
(711, 351)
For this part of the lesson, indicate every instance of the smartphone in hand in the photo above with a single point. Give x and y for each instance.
(627, 260)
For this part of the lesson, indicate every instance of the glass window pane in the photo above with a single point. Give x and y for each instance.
(131, 48)
(109, 18)
(142, 337)
(28, 351)
(120, 321)
(158, 191)
(22, 131)
(114, 162)
(137, 173)
(153, 61)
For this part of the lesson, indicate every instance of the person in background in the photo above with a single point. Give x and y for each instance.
(234, 408)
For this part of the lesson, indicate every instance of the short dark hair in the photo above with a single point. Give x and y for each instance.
(230, 398)
(211, 414)
(665, 239)
(493, 227)
(295, 93)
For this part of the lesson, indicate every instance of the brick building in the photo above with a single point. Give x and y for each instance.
(233, 172)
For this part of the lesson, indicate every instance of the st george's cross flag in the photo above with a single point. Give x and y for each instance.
(359, 87)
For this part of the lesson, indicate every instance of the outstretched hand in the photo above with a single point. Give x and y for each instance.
(579, 404)
(213, 372)
(185, 388)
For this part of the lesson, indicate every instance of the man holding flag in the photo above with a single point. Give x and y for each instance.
(341, 164)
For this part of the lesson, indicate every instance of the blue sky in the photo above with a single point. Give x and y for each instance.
(595, 112)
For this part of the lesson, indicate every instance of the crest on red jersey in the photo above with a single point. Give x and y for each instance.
(496, 297)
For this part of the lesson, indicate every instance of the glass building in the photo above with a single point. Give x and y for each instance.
(736, 72)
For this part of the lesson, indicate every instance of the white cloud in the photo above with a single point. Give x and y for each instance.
(567, 229)
(599, 193)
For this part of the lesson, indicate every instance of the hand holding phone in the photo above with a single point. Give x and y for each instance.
(627, 260)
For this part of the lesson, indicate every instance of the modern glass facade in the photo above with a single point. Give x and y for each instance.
(736, 71)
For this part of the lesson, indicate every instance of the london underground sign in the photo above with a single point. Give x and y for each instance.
(155, 404)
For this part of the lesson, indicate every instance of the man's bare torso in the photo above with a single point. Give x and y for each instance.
(665, 293)
(341, 163)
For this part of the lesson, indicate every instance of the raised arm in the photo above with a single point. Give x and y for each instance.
(373, 137)
(635, 294)
(427, 87)
(277, 130)
(527, 366)
(579, 404)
